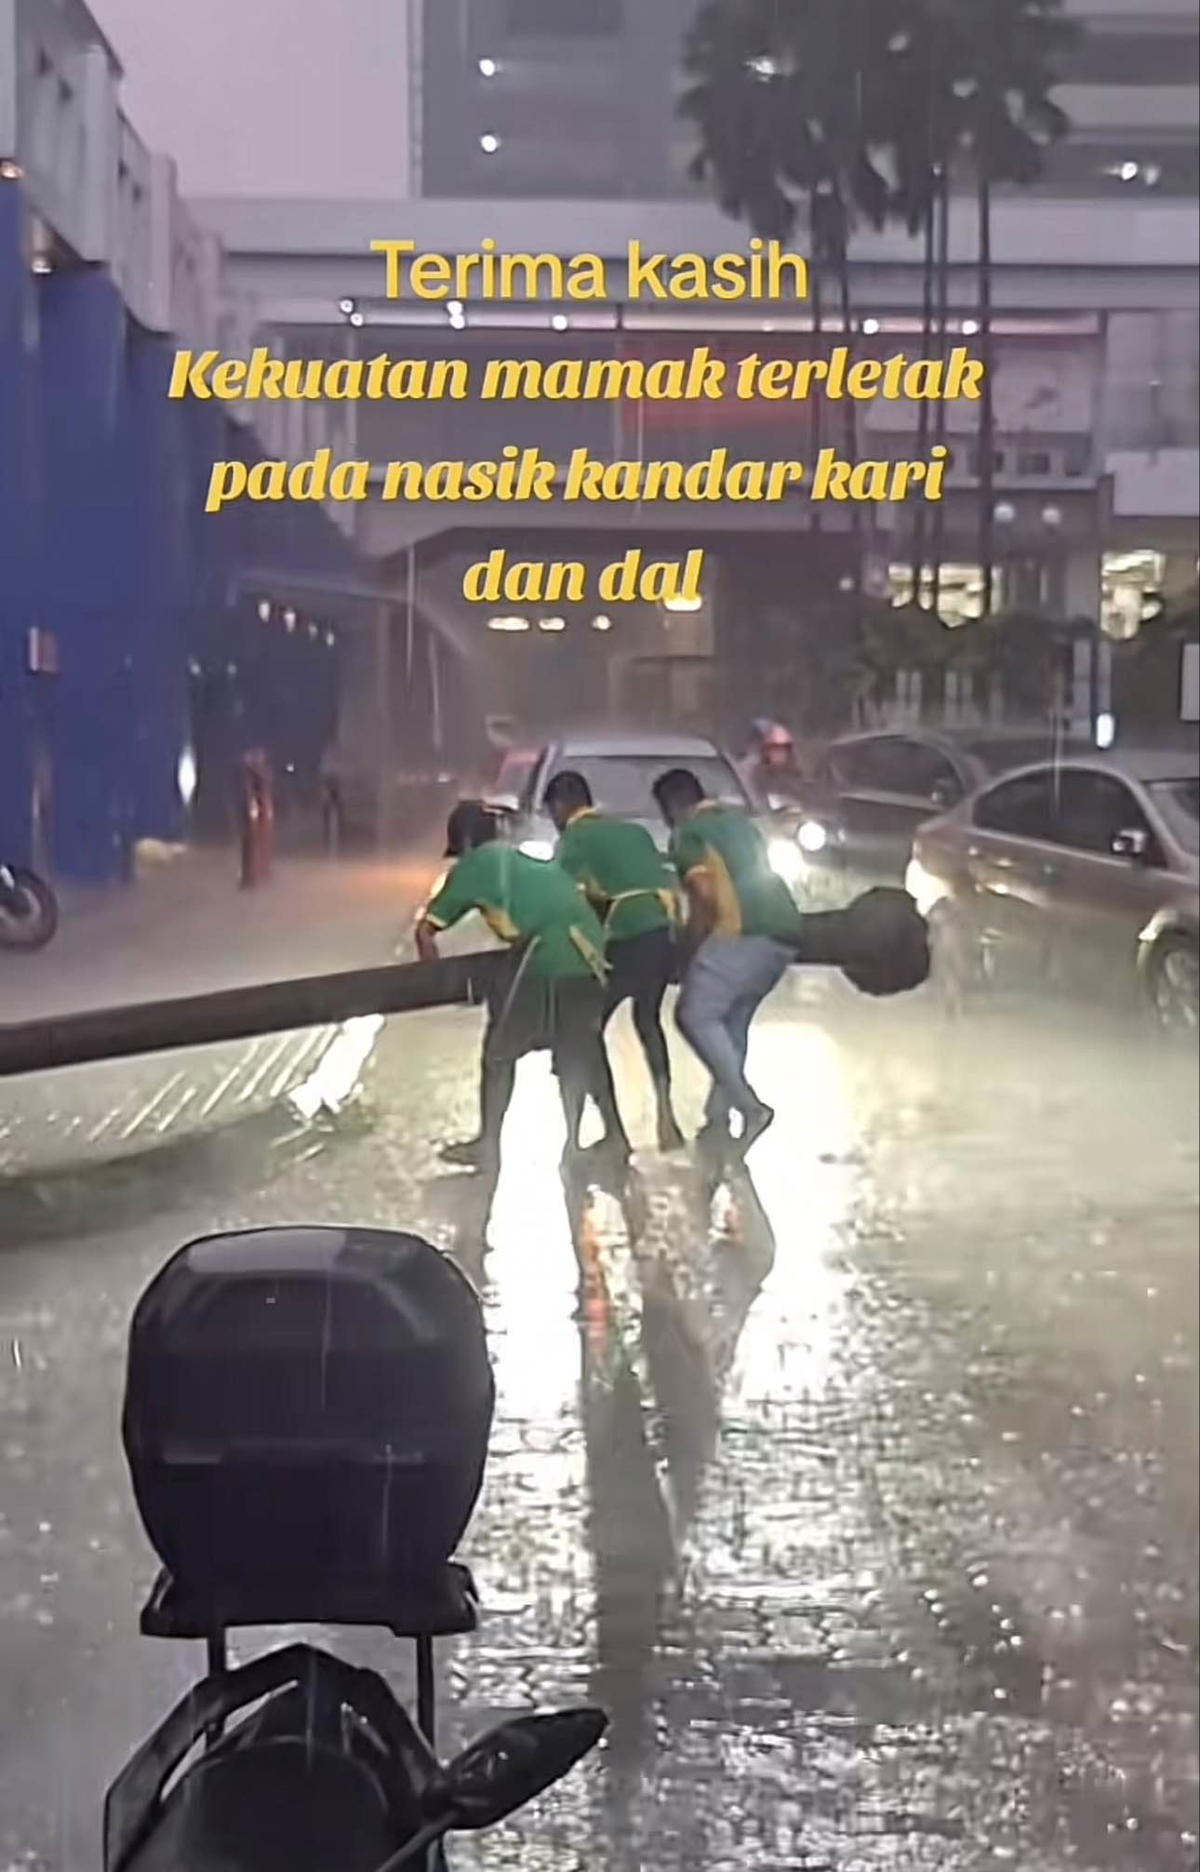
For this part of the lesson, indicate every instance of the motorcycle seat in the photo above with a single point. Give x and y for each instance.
(444, 1603)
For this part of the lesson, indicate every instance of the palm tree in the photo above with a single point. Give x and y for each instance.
(782, 96)
(869, 109)
(993, 65)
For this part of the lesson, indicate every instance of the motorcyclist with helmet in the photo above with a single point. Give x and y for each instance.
(772, 767)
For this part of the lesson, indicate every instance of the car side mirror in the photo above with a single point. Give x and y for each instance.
(506, 803)
(1133, 844)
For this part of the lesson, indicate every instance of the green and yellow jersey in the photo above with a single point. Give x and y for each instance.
(621, 872)
(747, 897)
(524, 901)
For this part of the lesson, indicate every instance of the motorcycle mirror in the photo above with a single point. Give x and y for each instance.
(512, 1765)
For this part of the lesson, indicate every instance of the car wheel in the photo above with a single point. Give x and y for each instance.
(1174, 984)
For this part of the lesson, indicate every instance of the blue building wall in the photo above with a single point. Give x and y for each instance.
(20, 475)
(106, 547)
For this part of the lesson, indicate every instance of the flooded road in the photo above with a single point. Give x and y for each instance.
(859, 1488)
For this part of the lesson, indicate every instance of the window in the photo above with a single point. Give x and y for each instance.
(1093, 808)
(896, 765)
(623, 783)
(564, 19)
(1034, 462)
(1179, 802)
(1026, 807)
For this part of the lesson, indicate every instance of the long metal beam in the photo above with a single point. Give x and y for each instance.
(829, 939)
(243, 1013)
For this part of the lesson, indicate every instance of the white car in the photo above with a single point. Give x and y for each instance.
(621, 770)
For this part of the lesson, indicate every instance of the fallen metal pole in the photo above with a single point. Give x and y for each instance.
(243, 1013)
(828, 940)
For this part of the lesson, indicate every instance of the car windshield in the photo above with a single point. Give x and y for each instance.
(624, 783)
(1001, 753)
(1179, 802)
(514, 774)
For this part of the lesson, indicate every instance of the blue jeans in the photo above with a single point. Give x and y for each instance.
(729, 977)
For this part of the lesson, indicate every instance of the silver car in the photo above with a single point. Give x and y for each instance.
(621, 770)
(1080, 874)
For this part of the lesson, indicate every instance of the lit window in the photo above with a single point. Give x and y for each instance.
(960, 590)
(1130, 588)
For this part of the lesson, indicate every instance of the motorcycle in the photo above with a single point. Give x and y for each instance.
(306, 1420)
(28, 909)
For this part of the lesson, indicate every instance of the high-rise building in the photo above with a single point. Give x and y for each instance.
(576, 98)
(551, 98)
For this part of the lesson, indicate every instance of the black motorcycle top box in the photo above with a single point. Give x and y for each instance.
(306, 1405)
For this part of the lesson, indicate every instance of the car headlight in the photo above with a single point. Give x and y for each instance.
(537, 848)
(921, 885)
(786, 861)
(812, 836)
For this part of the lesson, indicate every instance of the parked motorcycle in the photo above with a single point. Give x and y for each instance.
(28, 909)
(307, 1414)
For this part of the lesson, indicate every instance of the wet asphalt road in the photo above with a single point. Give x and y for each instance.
(862, 1492)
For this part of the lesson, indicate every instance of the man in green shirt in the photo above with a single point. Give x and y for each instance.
(552, 997)
(621, 872)
(744, 925)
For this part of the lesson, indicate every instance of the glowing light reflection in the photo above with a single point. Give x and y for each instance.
(336, 1077)
(805, 1182)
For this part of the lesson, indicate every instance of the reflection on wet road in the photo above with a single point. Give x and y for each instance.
(860, 1489)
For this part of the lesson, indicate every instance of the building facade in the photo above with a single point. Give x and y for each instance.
(544, 99)
(1097, 389)
(143, 645)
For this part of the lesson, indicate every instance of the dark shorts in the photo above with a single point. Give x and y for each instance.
(529, 1013)
(640, 967)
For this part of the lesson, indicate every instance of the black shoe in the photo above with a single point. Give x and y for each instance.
(469, 1154)
(758, 1119)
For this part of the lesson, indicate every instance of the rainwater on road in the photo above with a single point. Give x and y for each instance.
(860, 1489)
